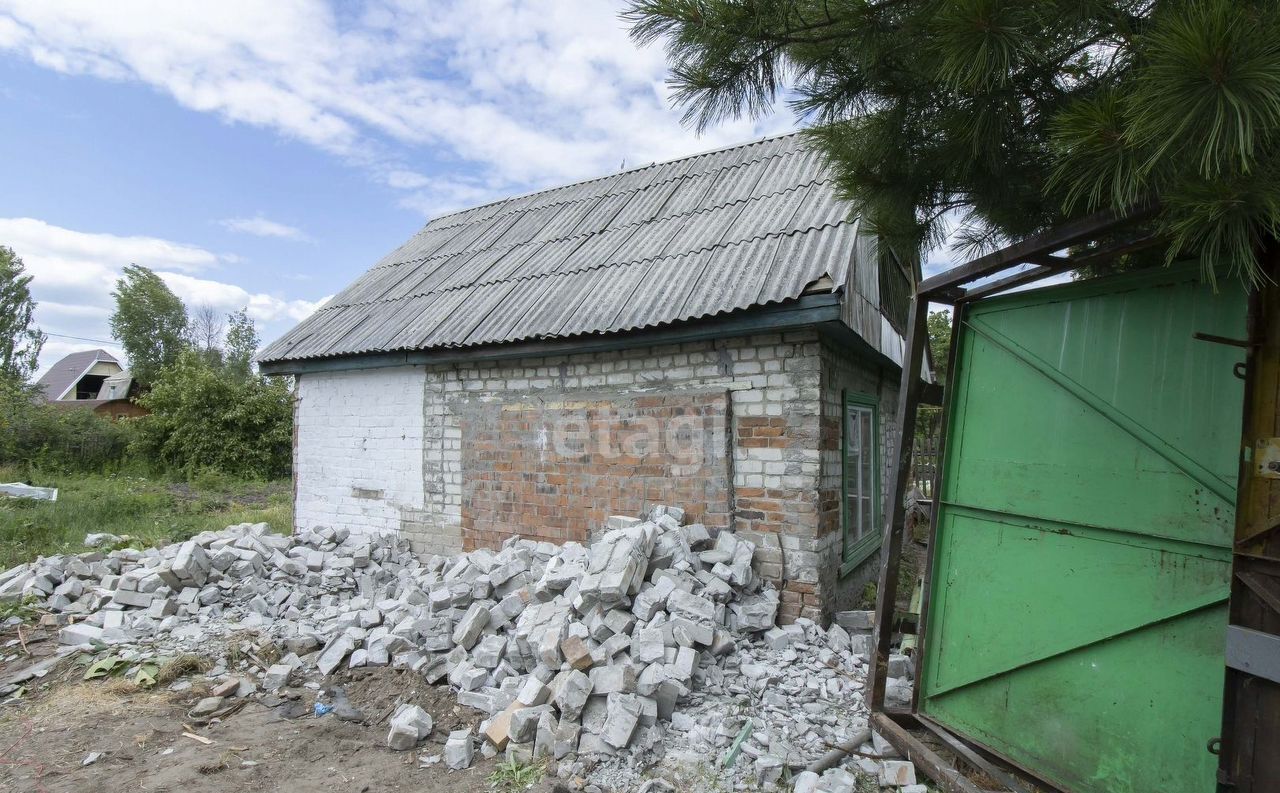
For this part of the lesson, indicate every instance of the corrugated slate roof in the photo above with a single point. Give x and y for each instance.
(700, 236)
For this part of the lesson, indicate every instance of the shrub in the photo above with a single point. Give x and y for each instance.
(35, 435)
(206, 418)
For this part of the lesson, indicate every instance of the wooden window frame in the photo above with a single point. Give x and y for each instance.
(852, 557)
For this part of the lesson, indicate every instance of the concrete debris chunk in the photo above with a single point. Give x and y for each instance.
(410, 724)
(897, 773)
(654, 637)
(623, 716)
(571, 693)
(277, 677)
(459, 750)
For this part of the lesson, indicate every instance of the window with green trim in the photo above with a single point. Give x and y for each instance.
(860, 457)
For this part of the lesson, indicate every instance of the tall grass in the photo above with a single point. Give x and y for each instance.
(154, 511)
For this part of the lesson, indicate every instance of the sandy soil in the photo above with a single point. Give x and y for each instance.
(46, 735)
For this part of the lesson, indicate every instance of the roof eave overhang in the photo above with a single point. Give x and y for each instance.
(810, 310)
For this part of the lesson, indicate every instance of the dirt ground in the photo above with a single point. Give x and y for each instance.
(46, 735)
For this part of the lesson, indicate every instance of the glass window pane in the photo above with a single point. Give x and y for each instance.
(861, 498)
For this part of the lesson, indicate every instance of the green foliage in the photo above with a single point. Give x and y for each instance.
(20, 342)
(939, 325)
(27, 609)
(36, 435)
(1015, 116)
(150, 322)
(204, 418)
(150, 511)
(511, 776)
(65, 439)
(242, 344)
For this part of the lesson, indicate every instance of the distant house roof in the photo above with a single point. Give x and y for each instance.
(709, 234)
(67, 372)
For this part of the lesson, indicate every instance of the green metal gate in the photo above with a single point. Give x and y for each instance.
(1077, 609)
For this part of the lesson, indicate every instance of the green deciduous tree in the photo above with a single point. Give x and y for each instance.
(1015, 115)
(150, 322)
(242, 344)
(20, 341)
(202, 419)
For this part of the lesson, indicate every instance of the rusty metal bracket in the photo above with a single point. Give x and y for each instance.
(1267, 457)
(1209, 337)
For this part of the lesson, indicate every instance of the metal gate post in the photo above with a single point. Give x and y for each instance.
(1249, 762)
(891, 540)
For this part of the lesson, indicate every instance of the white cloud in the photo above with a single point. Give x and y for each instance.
(424, 93)
(259, 226)
(407, 180)
(74, 272)
(226, 297)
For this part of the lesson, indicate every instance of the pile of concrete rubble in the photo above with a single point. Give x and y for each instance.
(598, 657)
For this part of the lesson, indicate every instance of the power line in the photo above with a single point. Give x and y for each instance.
(79, 338)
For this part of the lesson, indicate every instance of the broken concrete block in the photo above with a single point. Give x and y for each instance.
(856, 621)
(544, 743)
(498, 732)
(458, 750)
(613, 680)
(333, 654)
(533, 692)
(489, 652)
(838, 638)
(768, 770)
(206, 707)
(467, 632)
(686, 661)
(566, 739)
(576, 653)
(620, 723)
(409, 725)
(837, 780)
(277, 677)
(571, 693)
(647, 646)
(127, 597)
(691, 607)
(899, 665)
(805, 782)
(79, 633)
(687, 633)
(191, 564)
(897, 773)
(524, 723)
(756, 613)
(777, 639)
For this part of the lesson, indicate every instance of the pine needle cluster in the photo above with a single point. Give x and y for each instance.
(1012, 115)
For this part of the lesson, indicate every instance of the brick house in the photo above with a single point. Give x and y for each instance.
(715, 332)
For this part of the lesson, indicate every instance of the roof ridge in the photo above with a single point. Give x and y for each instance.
(586, 235)
(655, 164)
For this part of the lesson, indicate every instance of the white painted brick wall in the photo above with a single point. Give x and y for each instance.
(358, 462)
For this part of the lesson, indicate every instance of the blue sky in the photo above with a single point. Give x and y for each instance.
(264, 154)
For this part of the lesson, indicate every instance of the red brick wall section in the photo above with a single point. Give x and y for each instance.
(555, 469)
